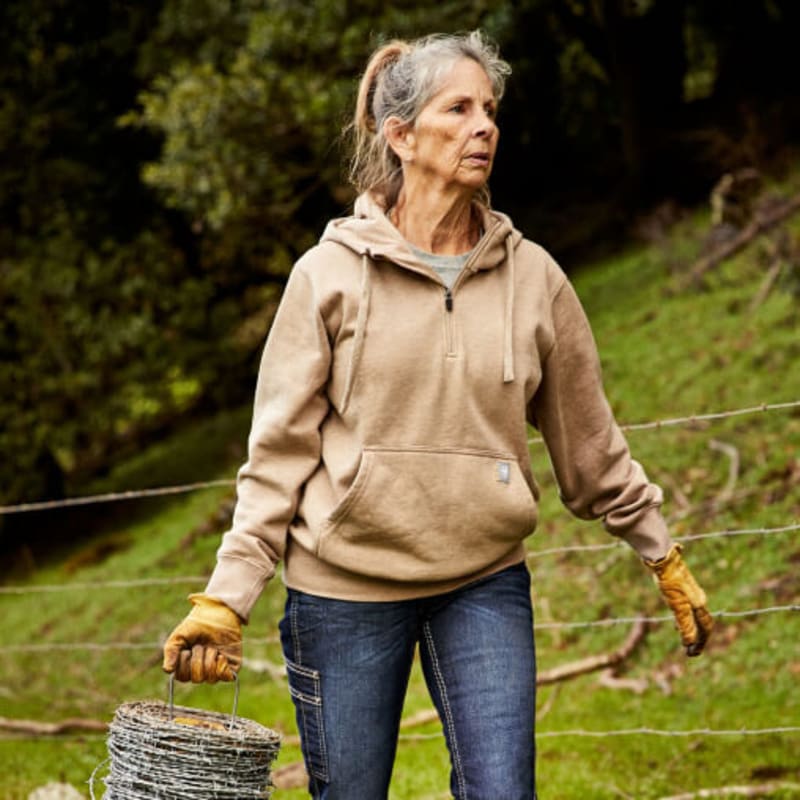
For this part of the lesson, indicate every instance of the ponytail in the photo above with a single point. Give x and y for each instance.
(374, 164)
(383, 58)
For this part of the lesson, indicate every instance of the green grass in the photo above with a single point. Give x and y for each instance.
(666, 352)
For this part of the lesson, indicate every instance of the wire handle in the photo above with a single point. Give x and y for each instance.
(171, 698)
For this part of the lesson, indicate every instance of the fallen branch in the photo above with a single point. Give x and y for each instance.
(548, 705)
(566, 671)
(609, 680)
(291, 776)
(36, 728)
(762, 222)
(594, 663)
(713, 505)
(679, 498)
(420, 718)
(670, 672)
(735, 791)
(766, 286)
(726, 493)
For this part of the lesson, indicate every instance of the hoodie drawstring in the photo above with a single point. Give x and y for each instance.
(508, 320)
(363, 316)
(358, 337)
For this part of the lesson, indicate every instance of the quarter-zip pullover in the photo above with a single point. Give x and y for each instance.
(388, 455)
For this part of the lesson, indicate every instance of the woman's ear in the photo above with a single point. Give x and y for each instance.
(400, 136)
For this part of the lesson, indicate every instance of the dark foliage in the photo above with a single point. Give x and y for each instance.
(165, 161)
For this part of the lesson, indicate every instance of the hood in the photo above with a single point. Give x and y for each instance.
(369, 232)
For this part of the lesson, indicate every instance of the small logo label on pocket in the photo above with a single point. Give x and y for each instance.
(503, 472)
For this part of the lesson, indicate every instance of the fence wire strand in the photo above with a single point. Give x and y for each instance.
(596, 623)
(591, 548)
(662, 732)
(130, 494)
(586, 624)
(697, 418)
(575, 732)
(133, 494)
(581, 732)
(133, 583)
(198, 580)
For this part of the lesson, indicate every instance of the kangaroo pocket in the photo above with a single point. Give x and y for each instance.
(428, 515)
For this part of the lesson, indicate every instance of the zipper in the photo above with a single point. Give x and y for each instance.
(448, 292)
(448, 322)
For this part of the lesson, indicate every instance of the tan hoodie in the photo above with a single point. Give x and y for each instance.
(388, 455)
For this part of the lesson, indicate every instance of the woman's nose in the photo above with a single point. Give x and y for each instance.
(485, 128)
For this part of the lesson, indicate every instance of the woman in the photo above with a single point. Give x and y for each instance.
(388, 463)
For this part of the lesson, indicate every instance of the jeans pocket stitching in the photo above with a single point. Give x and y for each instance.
(306, 672)
(309, 708)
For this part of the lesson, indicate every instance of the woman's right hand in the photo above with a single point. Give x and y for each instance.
(207, 646)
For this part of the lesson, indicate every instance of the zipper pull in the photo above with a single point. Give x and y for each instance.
(448, 298)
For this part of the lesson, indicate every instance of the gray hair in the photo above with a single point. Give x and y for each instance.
(399, 81)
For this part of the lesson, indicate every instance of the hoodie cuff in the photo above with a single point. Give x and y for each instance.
(238, 583)
(650, 537)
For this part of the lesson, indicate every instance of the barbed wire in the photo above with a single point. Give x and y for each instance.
(134, 494)
(199, 579)
(597, 623)
(101, 647)
(693, 419)
(575, 732)
(109, 497)
(132, 583)
(581, 732)
(604, 623)
(151, 756)
(662, 732)
(586, 548)
(82, 646)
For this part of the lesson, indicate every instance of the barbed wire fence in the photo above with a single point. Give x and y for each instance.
(692, 420)
(195, 580)
(539, 626)
(161, 491)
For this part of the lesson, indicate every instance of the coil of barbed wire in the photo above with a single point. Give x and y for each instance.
(158, 750)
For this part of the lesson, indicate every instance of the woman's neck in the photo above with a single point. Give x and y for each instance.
(436, 222)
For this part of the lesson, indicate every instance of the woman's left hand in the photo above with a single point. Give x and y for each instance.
(686, 599)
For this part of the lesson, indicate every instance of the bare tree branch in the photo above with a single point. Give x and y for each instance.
(762, 222)
(733, 469)
(594, 663)
(36, 728)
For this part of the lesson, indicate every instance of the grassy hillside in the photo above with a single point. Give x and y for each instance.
(667, 351)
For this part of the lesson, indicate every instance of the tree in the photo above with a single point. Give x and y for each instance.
(251, 127)
(86, 326)
(165, 162)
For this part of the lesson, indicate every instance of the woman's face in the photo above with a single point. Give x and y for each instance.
(454, 139)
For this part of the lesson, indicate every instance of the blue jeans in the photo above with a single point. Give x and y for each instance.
(349, 663)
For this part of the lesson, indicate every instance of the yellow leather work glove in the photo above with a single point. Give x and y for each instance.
(207, 645)
(686, 599)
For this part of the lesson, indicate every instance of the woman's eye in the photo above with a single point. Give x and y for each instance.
(458, 108)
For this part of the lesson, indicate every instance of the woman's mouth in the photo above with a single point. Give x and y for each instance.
(477, 159)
